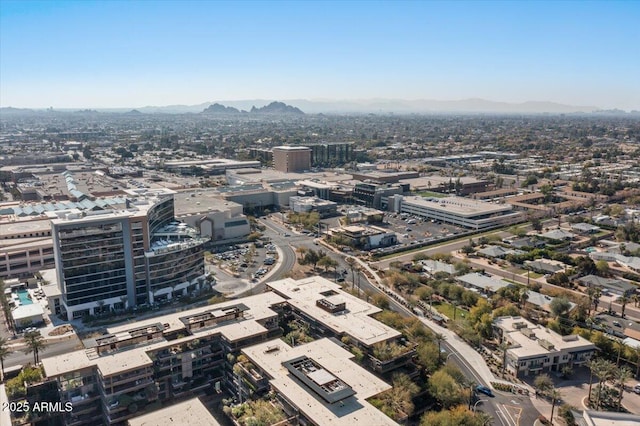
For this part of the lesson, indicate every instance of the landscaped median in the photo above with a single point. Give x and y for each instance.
(510, 387)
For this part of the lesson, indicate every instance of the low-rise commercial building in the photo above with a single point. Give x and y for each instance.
(458, 211)
(313, 204)
(365, 238)
(214, 217)
(533, 349)
(377, 195)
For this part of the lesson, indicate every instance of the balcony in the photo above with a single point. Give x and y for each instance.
(114, 381)
(129, 387)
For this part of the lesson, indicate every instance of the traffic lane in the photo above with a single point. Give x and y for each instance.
(505, 409)
(430, 251)
(18, 357)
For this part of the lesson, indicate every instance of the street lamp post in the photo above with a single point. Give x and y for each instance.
(477, 402)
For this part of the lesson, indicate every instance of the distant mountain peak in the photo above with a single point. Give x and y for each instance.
(276, 108)
(220, 109)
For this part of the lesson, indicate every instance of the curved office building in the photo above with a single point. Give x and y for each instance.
(131, 255)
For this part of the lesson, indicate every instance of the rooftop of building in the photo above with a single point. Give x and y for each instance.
(484, 282)
(528, 338)
(191, 412)
(334, 365)
(211, 162)
(312, 201)
(27, 311)
(291, 148)
(258, 309)
(23, 227)
(202, 201)
(355, 320)
(128, 358)
(433, 181)
(459, 206)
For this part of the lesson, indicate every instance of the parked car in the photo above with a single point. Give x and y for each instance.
(636, 388)
(485, 390)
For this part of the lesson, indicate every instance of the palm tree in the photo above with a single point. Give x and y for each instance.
(604, 371)
(4, 352)
(623, 301)
(35, 343)
(620, 346)
(555, 397)
(594, 365)
(621, 376)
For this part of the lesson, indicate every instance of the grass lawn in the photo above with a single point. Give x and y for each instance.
(447, 310)
(431, 194)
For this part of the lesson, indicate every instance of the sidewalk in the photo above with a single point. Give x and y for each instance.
(5, 414)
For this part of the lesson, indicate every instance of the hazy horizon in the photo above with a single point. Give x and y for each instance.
(136, 54)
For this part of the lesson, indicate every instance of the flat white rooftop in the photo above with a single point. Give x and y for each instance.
(355, 320)
(24, 312)
(458, 206)
(530, 346)
(131, 358)
(335, 361)
(259, 309)
(191, 412)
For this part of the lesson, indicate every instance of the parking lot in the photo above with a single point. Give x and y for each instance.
(246, 261)
(410, 228)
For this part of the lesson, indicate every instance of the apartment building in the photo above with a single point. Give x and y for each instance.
(134, 369)
(318, 383)
(533, 349)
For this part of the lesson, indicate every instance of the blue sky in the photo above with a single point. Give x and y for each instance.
(137, 53)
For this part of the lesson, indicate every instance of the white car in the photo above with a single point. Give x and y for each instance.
(636, 388)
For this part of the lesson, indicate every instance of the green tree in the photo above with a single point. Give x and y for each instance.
(428, 355)
(456, 416)
(445, 389)
(326, 262)
(602, 266)
(560, 306)
(543, 383)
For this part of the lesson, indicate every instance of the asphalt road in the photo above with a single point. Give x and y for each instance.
(58, 347)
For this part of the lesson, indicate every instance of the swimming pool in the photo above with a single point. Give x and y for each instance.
(24, 297)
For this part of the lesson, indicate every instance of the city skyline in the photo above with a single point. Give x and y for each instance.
(134, 54)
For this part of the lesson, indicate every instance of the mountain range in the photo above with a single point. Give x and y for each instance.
(272, 108)
(359, 106)
(384, 106)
